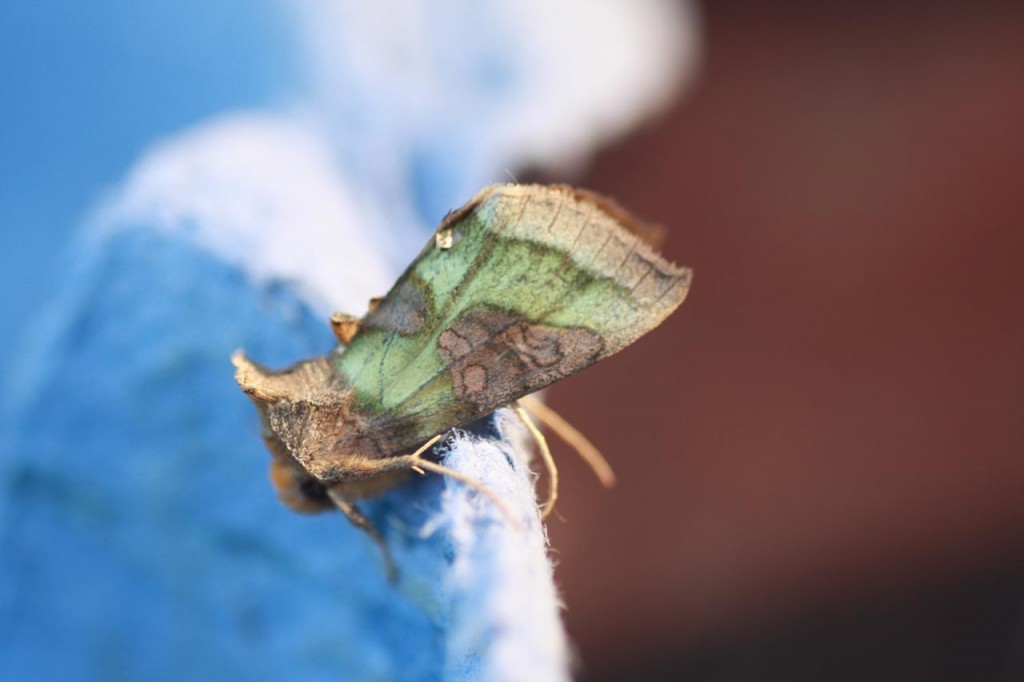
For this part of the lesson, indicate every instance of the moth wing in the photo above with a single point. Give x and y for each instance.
(521, 287)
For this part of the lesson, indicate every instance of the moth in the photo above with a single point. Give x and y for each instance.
(522, 286)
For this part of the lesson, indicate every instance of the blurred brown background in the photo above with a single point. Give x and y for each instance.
(820, 455)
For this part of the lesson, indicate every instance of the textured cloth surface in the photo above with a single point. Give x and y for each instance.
(139, 537)
(158, 549)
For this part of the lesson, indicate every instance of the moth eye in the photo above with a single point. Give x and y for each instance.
(315, 492)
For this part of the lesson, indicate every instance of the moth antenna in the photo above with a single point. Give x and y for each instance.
(356, 517)
(418, 464)
(545, 454)
(572, 437)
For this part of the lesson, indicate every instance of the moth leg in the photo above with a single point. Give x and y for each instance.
(568, 433)
(545, 454)
(356, 517)
(417, 463)
(345, 327)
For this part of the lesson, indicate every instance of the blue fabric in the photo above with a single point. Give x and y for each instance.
(141, 538)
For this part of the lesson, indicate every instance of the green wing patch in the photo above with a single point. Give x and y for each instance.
(536, 283)
(519, 288)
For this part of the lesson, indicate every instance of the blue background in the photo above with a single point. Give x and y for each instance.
(85, 87)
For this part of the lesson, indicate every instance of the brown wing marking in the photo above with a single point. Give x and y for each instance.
(494, 357)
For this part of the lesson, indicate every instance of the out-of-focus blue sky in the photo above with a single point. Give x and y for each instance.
(86, 87)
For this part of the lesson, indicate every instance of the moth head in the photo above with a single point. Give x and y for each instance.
(307, 420)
